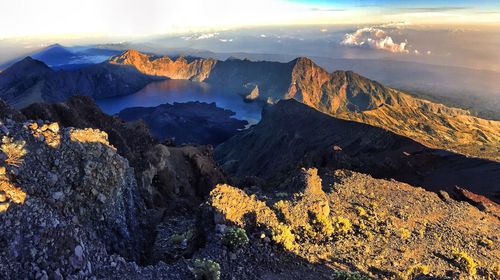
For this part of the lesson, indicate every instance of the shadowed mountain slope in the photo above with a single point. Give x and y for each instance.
(30, 81)
(292, 135)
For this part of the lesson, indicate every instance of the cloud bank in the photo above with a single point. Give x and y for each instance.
(374, 38)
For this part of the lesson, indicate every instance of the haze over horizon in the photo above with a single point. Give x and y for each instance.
(114, 18)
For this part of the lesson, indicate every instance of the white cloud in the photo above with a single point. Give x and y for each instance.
(395, 24)
(207, 36)
(374, 38)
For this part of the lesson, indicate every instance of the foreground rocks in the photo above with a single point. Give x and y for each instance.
(162, 173)
(79, 199)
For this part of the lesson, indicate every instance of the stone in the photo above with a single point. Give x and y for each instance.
(57, 195)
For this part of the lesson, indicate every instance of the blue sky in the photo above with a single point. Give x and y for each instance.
(401, 3)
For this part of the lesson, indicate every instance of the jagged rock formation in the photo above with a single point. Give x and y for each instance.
(191, 122)
(384, 229)
(349, 96)
(292, 135)
(195, 69)
(30, 80)
(70, 209)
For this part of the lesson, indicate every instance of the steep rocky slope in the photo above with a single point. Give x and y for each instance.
(29, 81)
(196, 69)
(190, 122)
(292, 135)
(343, 94)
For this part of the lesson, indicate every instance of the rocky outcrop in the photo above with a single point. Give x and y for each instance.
(191, 122)
(29, 81)
(75, 188)
(254, 94)
(196, 69)
(187, 174)
(132, 139)
(292, 135)
(163, 173)
(366, 225)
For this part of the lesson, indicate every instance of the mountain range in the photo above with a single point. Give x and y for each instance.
(343, 94)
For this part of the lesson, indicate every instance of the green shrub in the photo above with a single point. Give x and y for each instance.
(204, 269)
(346, 275)
(235, 238)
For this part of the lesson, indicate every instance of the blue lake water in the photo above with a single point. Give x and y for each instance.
(171, 91)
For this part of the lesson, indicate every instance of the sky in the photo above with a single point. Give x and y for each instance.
(76, 18)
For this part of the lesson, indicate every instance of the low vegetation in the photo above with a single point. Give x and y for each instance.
(235, 238)
(204, 269)
(346, 275)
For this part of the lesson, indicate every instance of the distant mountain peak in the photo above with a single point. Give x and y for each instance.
(29, 64)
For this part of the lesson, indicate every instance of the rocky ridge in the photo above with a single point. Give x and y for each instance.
(292, 135)
(383, 229)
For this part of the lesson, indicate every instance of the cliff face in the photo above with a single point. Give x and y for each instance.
(181, 68)
(71, 190)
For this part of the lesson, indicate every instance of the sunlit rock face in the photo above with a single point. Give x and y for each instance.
(181, 68)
